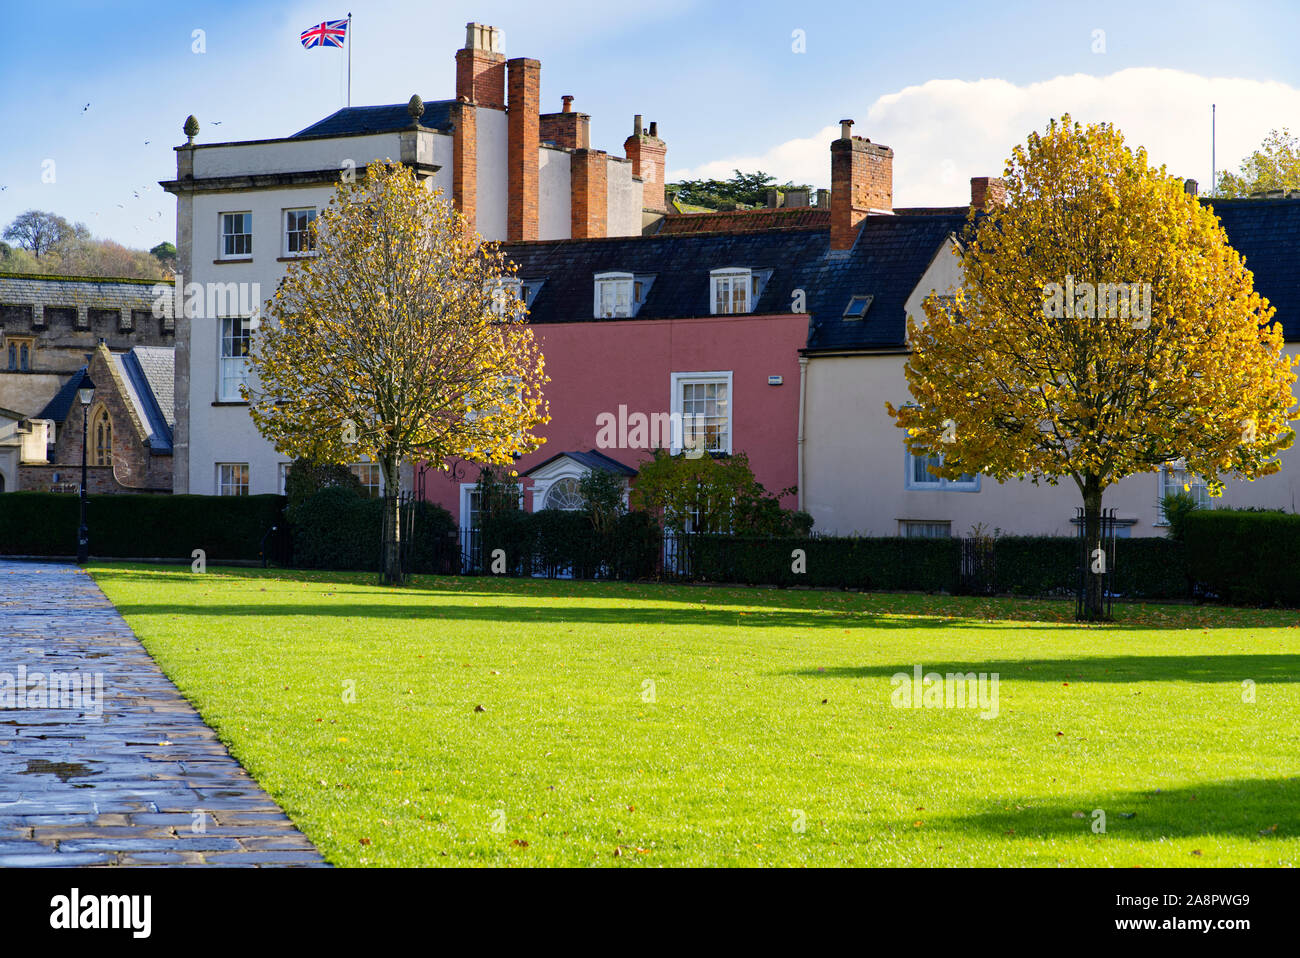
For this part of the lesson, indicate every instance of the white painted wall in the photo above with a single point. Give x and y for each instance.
(492, 209)
(226, 433)
(555, 190)
(286, 156)
(625, 197)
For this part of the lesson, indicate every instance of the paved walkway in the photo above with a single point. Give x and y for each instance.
(138, 780)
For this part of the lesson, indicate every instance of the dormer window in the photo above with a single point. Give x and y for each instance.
(505, 291)
(736, 290)
(615, 295)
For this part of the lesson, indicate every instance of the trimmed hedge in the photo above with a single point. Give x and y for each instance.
(1150, 567)
(879, 564)
(1245, 557)
(145, 526)
(557, 542)
(338, 529)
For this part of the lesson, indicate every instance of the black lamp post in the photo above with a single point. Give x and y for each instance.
(85, 395)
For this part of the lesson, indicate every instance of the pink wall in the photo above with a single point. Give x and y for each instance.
(596, 366)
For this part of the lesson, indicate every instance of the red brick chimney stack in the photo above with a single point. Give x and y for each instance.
(987, 192)
(566, 128)
(589, 195)
(481, 68)
(862, 182)
(523, 139)
(648, 154)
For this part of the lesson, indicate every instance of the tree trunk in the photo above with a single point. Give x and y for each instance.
(391, 568)
(1093, 572)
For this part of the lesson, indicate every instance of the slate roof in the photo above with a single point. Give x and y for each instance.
(1267, 235)
(144, 370)
(591, 459)
(889, 258)
(679, 263)
(158, 366)
(380, 119)
(57, 408)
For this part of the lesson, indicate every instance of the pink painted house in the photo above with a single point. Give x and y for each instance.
(704, 328)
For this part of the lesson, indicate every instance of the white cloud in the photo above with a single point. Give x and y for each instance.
(945, 131)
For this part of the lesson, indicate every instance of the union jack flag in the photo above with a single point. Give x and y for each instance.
(331, 33)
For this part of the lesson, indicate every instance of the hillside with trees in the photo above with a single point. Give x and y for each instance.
(38, 241)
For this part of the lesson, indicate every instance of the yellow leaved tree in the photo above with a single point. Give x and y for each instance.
(1105, 327)
(401, 338)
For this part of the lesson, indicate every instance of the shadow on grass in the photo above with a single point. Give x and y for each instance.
(776, 607)
(1261, 809)
(1104, 668)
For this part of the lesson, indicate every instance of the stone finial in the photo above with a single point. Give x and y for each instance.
(191, 129)
(415, 107)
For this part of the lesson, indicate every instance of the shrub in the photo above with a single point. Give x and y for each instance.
(1245, 557)
(147, 526)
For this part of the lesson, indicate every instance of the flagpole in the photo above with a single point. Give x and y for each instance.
(349, 43)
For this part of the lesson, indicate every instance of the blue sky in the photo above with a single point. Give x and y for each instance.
(944, 84)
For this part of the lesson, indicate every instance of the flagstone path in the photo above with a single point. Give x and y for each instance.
(140, 780)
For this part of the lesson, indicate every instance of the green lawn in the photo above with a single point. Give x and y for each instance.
(766, 704)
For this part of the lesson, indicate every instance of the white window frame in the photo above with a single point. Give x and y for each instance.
(678, 380)
(222, 234)
(905, 527)
(614, 296)
(282, 480)
(936, 484)
(468, 490)
(225, 362)
(501, 290)
(730, 277)
(304, 235)
(355, 468)
(1163, 488)
(248, 479)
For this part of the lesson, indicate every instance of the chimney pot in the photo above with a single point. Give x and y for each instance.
(654, 129)
(568, 102)
(846, 129)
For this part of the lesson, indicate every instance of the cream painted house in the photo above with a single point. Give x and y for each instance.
(857, 474)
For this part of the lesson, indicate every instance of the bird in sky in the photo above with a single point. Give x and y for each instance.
(85, 108)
